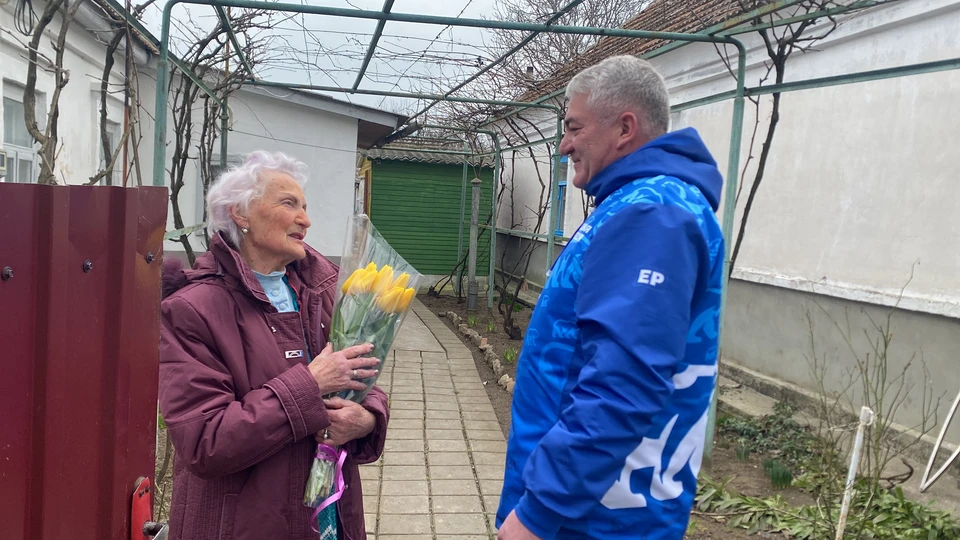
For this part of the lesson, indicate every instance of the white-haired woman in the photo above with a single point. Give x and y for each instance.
(245, 363)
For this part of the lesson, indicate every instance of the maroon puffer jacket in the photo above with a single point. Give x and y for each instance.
(242, 415)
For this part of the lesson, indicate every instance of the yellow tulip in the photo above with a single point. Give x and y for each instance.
(388, 301)
(351, 279)
(371, 266)
(402, 280)
(384, 279)
(404, 302)
(363, 283)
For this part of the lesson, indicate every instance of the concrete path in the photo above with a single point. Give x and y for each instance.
(442, 469)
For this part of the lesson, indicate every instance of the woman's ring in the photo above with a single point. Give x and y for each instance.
(326, 434)
(354, 374)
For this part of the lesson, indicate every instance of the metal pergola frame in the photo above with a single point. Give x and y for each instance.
(721, 33)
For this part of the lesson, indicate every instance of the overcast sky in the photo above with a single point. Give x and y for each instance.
(328, 50)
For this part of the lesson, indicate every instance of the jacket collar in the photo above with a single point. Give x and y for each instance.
(314, 271)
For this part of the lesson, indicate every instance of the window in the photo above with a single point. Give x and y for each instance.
(22, 166)
(561, 195)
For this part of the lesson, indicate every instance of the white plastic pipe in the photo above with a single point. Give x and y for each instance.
(866, 419)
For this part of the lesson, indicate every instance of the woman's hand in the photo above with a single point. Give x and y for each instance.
(337, 371)
(348, 421)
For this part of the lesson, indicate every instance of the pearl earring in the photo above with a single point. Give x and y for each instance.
(244, 230)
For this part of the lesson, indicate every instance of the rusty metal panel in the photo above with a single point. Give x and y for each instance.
(79, 320)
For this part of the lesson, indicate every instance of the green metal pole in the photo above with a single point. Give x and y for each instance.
(160, 106)
(225, 21)
(729, 209)
(493, 220)
(387, 6)
(463, 196)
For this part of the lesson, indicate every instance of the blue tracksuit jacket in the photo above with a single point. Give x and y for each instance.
(620, 357)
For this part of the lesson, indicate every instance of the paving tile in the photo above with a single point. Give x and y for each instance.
(447, 446)
(403, 414)
(404, 434)
(404, 472)
(370, 489)
(491, 487)
(397, 396)
(440, 415)
(452, 423)
(476, 407)
(444, 434)
(497, 457)
(492, 520)
(370, 474)
(453, 472)
(442, 406)
(457, 504)
(474, 399)
(486, 425)
(491, 503)
(462, 537)
(404, 524)
(460, 459)
(395, 488)
(401, 445)
(415, 504)
(404, 458)
(415, 405)
(370, 523)
(459, 523)
(476, 416)
(454, 487)
(489, 472)
(406, 423)
(484, 435)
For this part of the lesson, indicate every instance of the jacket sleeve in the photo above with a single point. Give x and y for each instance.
(214, 432)
(633, 311)
(368, 449)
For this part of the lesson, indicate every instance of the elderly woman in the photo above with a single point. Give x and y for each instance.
(245, 363)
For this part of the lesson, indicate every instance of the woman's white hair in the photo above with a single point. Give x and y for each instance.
(240, 185)
(624, 83)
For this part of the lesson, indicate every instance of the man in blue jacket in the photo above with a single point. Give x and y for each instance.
(620, 357)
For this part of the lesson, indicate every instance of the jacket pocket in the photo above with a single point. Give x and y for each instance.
(227, 517)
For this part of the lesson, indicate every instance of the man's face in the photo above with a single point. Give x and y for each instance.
(591, 144)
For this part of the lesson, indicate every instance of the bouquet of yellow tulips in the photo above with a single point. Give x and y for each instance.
(376, 288)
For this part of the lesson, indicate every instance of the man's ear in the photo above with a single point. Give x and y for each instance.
(238, 218)
(629, 126)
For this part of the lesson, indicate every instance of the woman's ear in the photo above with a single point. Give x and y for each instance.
(238, 218)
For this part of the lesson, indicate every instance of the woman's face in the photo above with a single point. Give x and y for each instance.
(277, 223)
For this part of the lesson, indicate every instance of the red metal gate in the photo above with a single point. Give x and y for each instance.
(79, 320)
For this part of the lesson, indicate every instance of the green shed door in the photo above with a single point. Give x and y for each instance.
(416, 207)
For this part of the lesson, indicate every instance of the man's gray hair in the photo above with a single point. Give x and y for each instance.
(624, 84)
(240, 185)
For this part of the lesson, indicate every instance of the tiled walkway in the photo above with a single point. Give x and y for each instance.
(442, 468)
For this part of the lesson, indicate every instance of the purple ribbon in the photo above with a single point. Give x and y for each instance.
(329, 453)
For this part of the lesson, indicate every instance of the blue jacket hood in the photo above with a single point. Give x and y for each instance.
(680, 154)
